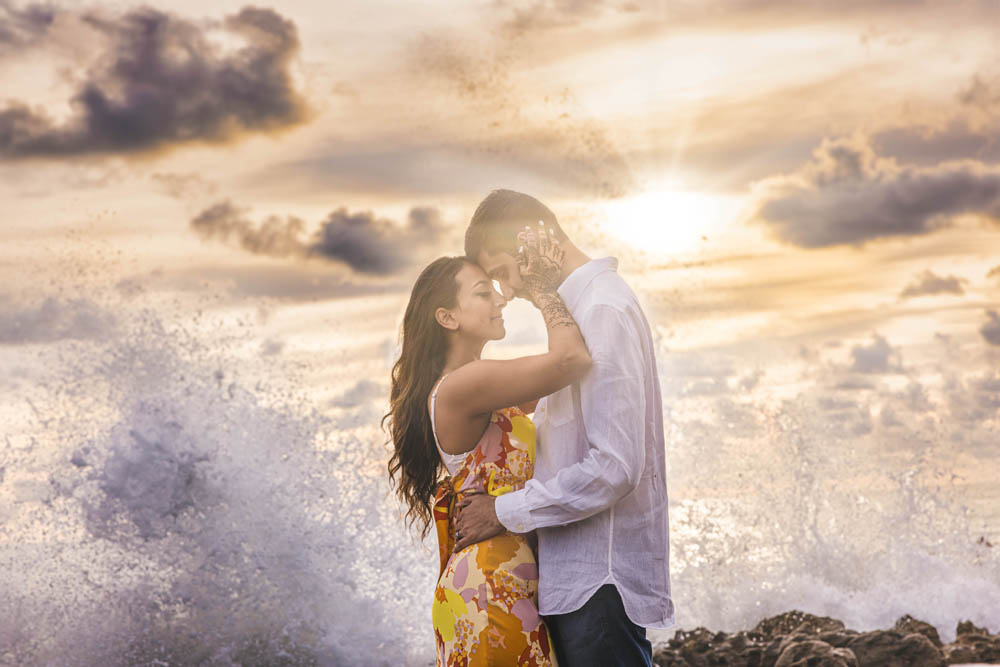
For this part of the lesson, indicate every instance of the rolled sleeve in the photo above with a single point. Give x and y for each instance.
(612, 401)
(512, 511)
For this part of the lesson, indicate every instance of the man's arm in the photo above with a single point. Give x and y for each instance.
(613, 401)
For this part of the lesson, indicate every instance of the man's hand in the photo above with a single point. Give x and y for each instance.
(477, 520)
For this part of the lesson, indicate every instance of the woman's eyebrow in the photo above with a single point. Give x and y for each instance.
(479, 282)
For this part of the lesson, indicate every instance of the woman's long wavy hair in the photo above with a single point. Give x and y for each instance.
(415, 458)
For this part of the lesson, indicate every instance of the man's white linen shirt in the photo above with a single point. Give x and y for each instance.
(598, 498)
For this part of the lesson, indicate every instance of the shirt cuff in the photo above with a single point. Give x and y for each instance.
(512, 511)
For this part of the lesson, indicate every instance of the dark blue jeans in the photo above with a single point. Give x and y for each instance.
(599, 634)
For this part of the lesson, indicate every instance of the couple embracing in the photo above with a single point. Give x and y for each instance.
(552, 529)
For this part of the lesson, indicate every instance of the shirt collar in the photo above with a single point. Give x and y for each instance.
(576, 283)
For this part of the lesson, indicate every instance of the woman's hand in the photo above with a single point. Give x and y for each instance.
(540, 261)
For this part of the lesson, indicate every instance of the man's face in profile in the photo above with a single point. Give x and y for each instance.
(502, 268)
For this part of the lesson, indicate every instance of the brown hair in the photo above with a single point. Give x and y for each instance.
(420, 363)
(498, 219)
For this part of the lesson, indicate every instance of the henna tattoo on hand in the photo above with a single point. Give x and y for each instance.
(554, 311)
(541, 276)
(540, 263)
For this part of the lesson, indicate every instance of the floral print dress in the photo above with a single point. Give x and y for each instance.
(485, 604)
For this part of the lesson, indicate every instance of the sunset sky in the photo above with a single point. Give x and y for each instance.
(804, 194)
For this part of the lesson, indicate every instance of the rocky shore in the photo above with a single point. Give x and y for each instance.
(797, 639)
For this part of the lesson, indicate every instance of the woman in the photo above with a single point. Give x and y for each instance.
(450, 408)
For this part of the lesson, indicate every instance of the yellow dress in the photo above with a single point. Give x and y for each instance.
(486, 601)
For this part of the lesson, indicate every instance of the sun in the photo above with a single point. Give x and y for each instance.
(668, 221)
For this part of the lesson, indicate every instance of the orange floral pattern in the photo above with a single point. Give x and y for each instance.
(485, 605)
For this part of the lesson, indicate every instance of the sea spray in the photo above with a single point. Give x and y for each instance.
(185, 518)
(812, 502)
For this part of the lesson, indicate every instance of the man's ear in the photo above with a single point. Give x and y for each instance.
(446, 318)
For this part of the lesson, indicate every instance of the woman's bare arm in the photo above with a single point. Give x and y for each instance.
(478, 388)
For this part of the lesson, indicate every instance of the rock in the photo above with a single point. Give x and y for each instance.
(837, 638)
(796, 621)
(967, 628)
(959, 654)
(703, 648)
(798, 639)
(668, 657)
(813, 653)
(976, 642)
(907, 625)
(887, 648)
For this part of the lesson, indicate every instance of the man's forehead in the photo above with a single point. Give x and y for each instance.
(492, 261)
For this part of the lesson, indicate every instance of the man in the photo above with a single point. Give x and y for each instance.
(598, 499)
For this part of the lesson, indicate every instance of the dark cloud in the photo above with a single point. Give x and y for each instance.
(161, 82)
(375, 245)
(878, 357)
(847, 195)
(362, 241)
(275, 236)
(52, 320)
(991, 330)
(20, 28)
(928, 283)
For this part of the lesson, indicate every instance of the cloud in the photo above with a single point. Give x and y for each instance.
(184, 186)
(362, 241)
(375, 245)
(958, 138)
(275, 236)
(878, 357)
(520, 18)
(974, 401)
(848, 195)
(991, 330)
(161, 81)
(52, 320)
(20, 28)
(981, 93)
(928, 283)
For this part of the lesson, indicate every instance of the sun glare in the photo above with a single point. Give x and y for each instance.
(668, 221)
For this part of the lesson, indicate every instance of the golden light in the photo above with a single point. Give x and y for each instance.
(669, 221)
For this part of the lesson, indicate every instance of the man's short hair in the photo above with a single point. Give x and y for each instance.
(498, 219)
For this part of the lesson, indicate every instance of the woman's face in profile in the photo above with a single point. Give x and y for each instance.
(480, 307)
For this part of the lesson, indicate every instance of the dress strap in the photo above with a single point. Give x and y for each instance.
(434, 396)
(452, 462)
